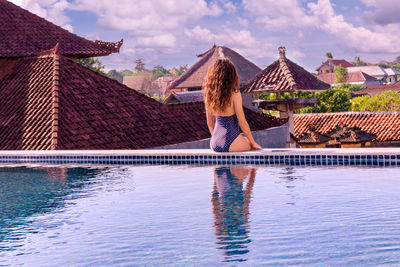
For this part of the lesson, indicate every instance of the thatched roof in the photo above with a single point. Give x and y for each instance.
(194, 76)
(284, 75)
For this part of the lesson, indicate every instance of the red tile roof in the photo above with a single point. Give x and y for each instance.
(384, 125)
(52, 102)
(24, 34)
(335, 62)
(376, 90)
(344, 134)
(357, 76)
(284, 75)
(312, 137)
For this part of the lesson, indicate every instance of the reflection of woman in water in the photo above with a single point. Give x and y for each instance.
(231, 198)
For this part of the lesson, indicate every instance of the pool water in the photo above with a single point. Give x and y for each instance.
(158, 215)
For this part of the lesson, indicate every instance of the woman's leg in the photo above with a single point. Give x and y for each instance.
(241, 143)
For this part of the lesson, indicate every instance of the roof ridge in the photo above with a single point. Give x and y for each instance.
(347, 113)
(286, 71)
(220, 52)
(55, 99)
(191, 70)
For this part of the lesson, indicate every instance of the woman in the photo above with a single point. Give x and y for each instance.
(224, 109)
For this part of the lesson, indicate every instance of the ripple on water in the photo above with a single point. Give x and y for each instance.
(200, 216)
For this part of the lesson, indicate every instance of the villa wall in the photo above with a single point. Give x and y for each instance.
(269, 138)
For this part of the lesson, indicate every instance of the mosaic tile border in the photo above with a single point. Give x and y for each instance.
(207, 159)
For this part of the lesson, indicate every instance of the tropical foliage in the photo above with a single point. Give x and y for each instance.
(93, 64)
(386, 101)
(340, 74)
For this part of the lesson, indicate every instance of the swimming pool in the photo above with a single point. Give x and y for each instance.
(181, 215)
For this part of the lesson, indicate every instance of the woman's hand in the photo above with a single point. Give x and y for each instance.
(255, 146)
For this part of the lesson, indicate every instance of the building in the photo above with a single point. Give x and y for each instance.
(50, 102)
(356, 77)
(25, 34)
(193, 78)
(163, 83)
(329, 65)
(392, 75)
(352, 129)
(383, 75)
(282, 76)
(376, 90)
(141, 83)
(340, 137)
(184, 97)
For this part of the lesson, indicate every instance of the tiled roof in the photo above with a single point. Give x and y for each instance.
(336, 62)
(344, 134)
(52, 102)
(284, 75)
(391, 72)
(352, 77)
(384, 125)
(194, 76)
(184, 97)
(24, 34)
(312, 137)
(376, 90)
(375, 71)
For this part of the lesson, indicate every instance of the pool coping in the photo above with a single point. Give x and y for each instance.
(276, 156)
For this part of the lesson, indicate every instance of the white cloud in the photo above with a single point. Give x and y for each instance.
(387, 12)
(158, 41)
(243, 22)
(143, 16)
(279, 15)
(229, 6)
(240, 40)
(298, 54)
(359, 38)
(290, 16)
(52, 10)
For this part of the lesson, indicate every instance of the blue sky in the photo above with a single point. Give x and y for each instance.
(172, 32)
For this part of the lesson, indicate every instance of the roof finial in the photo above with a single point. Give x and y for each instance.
(282, 52)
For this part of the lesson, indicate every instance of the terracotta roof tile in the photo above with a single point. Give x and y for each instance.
(384, 125)
(51, 102)
(24, 34)
(335, 62)
(352, 77)
(378, 89)
(284, 75)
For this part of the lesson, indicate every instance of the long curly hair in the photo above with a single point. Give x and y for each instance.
(221, 82)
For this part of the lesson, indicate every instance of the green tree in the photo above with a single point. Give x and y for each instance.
(329, 55)
(351, 87)
(93, 64)
(126, 72)
(181, 70)
(340, 74)
(332, 100)
(114, 74)
(139, 65)
(386, 101)
(159, 71)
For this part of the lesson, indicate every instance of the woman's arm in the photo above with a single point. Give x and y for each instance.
(210, 120)
(244, 126)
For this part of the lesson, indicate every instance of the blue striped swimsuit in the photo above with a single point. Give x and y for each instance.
(226, 130)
